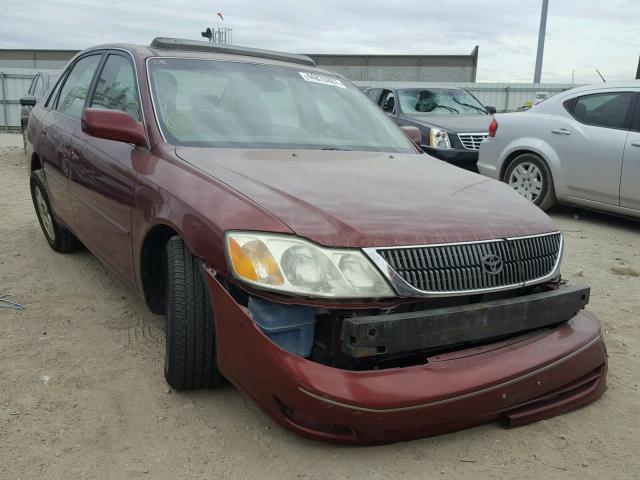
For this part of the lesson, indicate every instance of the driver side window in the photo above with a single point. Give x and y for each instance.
(116, 88)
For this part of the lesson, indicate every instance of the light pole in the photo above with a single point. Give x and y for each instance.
(541, 34)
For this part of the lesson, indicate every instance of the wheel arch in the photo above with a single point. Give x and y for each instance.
(152, 259)
(35, 163)
(521, 150)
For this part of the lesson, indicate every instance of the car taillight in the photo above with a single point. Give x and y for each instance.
(493, 128)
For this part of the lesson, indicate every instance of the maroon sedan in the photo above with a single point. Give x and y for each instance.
(301, 246)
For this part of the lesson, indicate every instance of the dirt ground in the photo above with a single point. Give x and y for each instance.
(82, 393)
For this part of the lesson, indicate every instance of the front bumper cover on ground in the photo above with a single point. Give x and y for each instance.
(521, 380)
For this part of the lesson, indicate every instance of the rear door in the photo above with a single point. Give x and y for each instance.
(630, 179)
(60, 123)
(102, 174)
(588, 133)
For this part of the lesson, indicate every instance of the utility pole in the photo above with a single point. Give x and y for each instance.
(541, 35)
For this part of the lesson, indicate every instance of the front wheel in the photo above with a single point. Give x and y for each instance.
(190, 357)
(530, 176)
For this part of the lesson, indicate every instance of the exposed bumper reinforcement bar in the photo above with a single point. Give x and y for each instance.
(431, 329)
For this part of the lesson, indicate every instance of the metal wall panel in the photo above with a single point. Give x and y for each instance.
(14, 83)
(451, 68)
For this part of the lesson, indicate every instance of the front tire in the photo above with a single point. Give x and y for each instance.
(529, 175)
(190, 357)
(58, 237)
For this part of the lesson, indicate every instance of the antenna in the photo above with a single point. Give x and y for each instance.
(603, 80)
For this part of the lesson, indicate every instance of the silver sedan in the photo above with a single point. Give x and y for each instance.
(580, 147)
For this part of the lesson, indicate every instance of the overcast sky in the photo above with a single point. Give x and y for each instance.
(581, 34)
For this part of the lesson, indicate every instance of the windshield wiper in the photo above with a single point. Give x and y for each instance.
(451, 109)
(470, 106)
(342, 149)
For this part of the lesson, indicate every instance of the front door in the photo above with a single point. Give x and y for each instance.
(630, 179)
(60, 123)
(102, 178)
(588, 134)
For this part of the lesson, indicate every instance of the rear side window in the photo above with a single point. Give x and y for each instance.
(76, 86)
(51, 100)
(116, 87)
(609, 109)
(32, 87)
(38, 88)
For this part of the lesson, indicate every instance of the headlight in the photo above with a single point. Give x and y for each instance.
(438, 138)
(295, 266)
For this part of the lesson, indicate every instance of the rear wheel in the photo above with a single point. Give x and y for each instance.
(530, 176)
(58, 237)
(190, 357)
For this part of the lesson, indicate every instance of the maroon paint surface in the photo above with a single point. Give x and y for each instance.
(264, 371)
(112, 194)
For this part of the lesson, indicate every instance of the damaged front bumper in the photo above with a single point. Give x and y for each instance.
(365, 336)
(520, 379)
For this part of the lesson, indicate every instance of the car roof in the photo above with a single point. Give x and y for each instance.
(607, 86)
(182, 48)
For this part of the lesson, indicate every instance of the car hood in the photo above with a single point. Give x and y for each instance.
(454, 123)
(363, 199)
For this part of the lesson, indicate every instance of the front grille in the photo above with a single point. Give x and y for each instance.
(481, 266)
(472, 141)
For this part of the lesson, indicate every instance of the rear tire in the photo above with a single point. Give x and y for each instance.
(529, 175)
(190, 358)
(58, 237)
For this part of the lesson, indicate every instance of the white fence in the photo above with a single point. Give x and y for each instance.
(14, 83)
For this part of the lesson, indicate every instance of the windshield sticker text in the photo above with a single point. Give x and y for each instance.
(322, 79)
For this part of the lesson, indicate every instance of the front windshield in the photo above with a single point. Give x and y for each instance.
(214, 103)
(439, 101)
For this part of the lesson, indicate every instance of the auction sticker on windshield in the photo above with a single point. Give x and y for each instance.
(322, 79)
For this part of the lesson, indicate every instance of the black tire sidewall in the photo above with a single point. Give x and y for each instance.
(547, 195)
(168, 330)
(190, 350)
(37, 183)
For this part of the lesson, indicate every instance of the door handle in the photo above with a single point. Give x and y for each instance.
(561, 131)
(635, 144)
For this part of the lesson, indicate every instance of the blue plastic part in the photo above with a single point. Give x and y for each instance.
(291, 327)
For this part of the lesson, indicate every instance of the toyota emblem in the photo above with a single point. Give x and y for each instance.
(492, 264)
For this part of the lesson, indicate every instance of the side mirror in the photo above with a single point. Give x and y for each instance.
(490, 109)
(113, 125)
(28, 101)
(413, 133)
